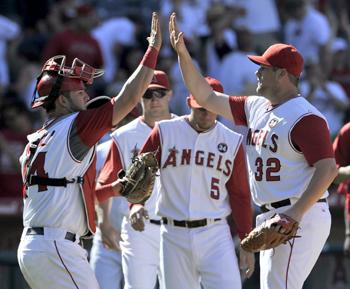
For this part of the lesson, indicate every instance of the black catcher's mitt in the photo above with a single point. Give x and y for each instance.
(138, 180)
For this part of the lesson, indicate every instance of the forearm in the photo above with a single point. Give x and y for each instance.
(134, 87)
(325, 172)
(104, 192)
(343, 175)
(102, 211)
(193, 79)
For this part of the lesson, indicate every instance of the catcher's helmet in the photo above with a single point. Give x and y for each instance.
(56, 78)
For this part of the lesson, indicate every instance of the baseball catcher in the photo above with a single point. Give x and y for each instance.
(273, 232)
(139, 178)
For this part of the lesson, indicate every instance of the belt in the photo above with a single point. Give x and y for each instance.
(283, 203)
(156, 222)
(188, 224)
(40, 231)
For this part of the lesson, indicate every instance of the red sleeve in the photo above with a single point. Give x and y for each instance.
(239, 192)
(109, 173)
(341, 146)
(311, 136)
(237, 109)
(113, 164)
(93, 124)
(152, 143)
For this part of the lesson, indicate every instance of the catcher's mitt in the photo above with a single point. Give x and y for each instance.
(139, 178)
(267, 235)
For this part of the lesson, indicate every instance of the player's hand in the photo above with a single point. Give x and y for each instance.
(246, 262)
(155, 38)
(136, 217)
(293, 213)
(110, 236)
(176, 38)
(347, 246)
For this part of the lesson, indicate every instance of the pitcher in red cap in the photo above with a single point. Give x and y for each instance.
(58, 168)
(289, 151)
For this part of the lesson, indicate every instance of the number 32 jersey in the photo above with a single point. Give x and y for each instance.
(277, 169)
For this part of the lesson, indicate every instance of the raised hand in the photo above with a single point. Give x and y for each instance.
(155, 38)
(176, 37)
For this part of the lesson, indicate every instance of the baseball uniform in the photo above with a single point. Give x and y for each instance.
(283, 142)
(58, 169)
(202, 176)
(140, 250)
(106, 263)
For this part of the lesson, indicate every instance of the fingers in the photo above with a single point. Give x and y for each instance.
(110, 240)
(145, 214)
(155, 38)
(250, 266)
(154, 21)
(246, 262)
(137, 220)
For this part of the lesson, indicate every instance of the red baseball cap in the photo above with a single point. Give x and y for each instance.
(160, 80)
(214, 83)
(281, 56)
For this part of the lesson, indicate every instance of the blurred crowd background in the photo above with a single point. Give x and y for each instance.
(111, 34)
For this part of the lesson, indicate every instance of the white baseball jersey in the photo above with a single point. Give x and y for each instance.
(129, 140)
(194, 171)
(273, 162)
(53, 206)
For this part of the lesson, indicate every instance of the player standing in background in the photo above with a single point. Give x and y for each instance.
(290, 158)
(341, 146)
(140, 250)
(105, 255)
(58, 168)
(202, 176)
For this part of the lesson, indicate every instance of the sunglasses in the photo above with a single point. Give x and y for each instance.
(158, 93)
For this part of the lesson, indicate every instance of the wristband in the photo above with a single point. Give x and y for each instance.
(150, 58)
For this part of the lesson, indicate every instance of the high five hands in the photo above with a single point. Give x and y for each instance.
(155, 38)
(176, 37)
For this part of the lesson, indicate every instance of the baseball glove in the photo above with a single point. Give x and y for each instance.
(138, 180)
(270, 234)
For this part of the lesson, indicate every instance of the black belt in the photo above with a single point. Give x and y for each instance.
(40, 231)
(189, 224)
(283, 203)
(156, 222)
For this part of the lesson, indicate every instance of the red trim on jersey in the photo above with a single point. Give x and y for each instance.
(341, 149)
(113, 164)
(93, 124)
(238, 189)
(109, 173)
(152, 143)
(310, 135)
(237, 109)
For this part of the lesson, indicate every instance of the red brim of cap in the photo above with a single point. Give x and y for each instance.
(157, 86)
(259, 60)
(193, 103)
